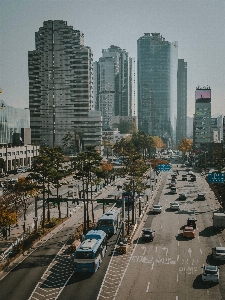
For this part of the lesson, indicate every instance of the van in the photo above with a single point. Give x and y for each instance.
(218, 253)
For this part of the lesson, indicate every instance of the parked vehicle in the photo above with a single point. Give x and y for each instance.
(157, 209)
(219, 220)
(148, 234)
(218, 253)
(189, 231)
(89, 255)
(210, 273)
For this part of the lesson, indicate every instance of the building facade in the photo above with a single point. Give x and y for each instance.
(157, 61)
(202, 117)
(61, 87)
(114, 85)
(12, 121)
(181, 101)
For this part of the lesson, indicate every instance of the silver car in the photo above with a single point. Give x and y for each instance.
(218, 253)
(210, 273)
(157, 209)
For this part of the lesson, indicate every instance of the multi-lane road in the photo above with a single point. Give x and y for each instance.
(167, 268)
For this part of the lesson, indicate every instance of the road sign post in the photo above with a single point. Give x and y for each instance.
(163, 167)
(216, 177)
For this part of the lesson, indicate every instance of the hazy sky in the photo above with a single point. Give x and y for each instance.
(197, 25)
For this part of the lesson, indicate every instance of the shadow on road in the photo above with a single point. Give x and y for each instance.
(199, 284)
(208, 231)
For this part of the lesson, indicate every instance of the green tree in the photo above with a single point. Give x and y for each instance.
(126, 127)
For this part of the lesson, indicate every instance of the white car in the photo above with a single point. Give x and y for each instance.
(174, 206)
(210, 273)
(157, 209)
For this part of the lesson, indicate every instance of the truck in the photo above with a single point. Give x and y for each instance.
(219, 220)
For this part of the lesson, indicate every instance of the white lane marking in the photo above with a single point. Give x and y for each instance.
(200, 251)
(178, 243)
(177, 277)
(161, 226)
(147, 287)
(178, 222)
(178, 257)
(177, 298)
(152, 266)
(155, 249)
(189, 251)
(143, 247)
(164, 248)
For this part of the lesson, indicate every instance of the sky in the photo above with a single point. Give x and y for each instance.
(197, 26)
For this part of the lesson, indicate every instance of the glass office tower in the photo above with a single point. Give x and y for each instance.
(157, 62)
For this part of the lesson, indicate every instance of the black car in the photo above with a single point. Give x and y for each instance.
(148, 234)
(191, 222)
(182, 197)
(201, 197)
(184, 177)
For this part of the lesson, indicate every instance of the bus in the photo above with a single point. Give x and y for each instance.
(89, 255)
(109, 222)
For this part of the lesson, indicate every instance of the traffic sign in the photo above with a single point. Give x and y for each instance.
(163, 167)
(216, 177)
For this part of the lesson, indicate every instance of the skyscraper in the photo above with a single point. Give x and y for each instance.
(181, 100)
(115, 89)
(157, 62)
(202, 117)
(61, 86)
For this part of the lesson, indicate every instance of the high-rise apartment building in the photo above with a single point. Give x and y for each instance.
(157, 61)
(114, 85)
(61, 87)
(202, 117)
(181, 100)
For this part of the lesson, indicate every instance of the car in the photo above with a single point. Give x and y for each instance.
(183, 166)
(172, 184)
(20, 170)
(189, 232)
(173, 190)
(182, 196)
(174, 206)
(193, 178)
(201, 196)
(190, 173)
(191, 222)
(173, 180)
(218, 253)
(184, 177)
(148, 234)
(210, 273)
(157, 208)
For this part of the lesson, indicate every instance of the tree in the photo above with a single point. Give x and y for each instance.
(46, 168)
(158, 142)
(185, 145)
(86, 167)
(142, 142)
(69, 144)
(126, 127)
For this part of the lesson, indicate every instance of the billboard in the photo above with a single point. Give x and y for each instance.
(202, 94)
